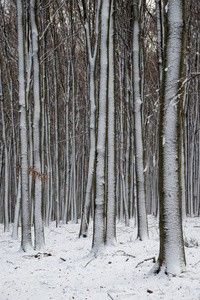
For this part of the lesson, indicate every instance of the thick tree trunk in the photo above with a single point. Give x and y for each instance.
(171, 257)
(99, 215)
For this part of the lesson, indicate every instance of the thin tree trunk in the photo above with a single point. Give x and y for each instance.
(26, 243)
(111, 177)
(6, 180)
(57, 177)
(140, 180)
(17, 211)
(38, 222)
(91, 168)
(65, 218)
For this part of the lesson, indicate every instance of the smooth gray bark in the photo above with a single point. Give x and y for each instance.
(99, 215)
(139, 143)
(38, 222)
(171, 257)
(111, 178)
(26, 243)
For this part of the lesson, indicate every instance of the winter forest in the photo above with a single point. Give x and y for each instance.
(100, 119)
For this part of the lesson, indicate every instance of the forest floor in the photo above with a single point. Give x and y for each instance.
(64, 270)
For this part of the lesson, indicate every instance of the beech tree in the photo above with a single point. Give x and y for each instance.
(140, 180)
(26, 242)
(94, 79)
(171, 256)
(92, 58)
(6, 217)
(37, 170)
(111, 136)
(99, 213)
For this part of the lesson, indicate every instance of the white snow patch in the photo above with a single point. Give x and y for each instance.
(146, 168)
(65, 270)
(163, 140)
(154, 160)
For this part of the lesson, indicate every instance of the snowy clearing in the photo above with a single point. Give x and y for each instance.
(65, 269)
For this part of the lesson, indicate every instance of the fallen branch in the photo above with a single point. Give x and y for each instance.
(89, 262)
(55, 231)
(109, 295)
(160, 289)
(151, 258)
(39, 255)
(125, 254)
(196, 263)
(63, 259)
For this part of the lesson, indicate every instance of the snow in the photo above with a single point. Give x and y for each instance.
(66, 270)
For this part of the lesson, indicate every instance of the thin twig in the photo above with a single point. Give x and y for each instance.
(160, 290)
(196, 263)
(89, 262)
(125, 254)
(63, 259)
(151, 258)
(109, 295)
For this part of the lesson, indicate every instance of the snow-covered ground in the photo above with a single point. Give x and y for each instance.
(65, 270)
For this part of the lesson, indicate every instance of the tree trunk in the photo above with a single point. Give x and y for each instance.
(92, 66)
(140, 180)
(111, 178)
(99, 215)
(171, 257)
(6, 185)
(38, 222)
(26, 243)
